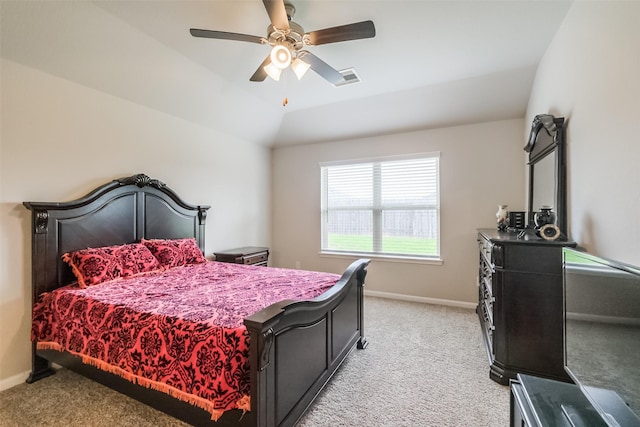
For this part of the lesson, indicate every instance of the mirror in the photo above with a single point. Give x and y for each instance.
(547, 182)
(544, 183)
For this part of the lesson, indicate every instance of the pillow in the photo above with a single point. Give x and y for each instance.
(175, 252)
(93, 266)
(134, 258)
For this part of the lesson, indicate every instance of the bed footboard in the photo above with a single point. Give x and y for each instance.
(298, 345)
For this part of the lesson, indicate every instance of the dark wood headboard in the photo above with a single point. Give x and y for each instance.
(122, 211)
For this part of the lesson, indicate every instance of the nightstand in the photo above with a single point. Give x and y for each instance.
(248, 255)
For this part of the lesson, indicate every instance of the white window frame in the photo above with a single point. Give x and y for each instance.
(377, 210)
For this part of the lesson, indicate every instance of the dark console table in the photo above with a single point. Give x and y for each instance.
(540, 402)
(520, 304)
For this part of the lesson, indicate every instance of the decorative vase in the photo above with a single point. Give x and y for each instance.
(501, 217)
(545, 216)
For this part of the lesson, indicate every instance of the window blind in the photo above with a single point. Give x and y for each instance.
(387, 206)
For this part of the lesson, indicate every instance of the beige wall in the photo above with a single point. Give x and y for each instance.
(480, 168)
(61, 139)
(590, 75)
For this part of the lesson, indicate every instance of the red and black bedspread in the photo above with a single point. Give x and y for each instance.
(179, 331)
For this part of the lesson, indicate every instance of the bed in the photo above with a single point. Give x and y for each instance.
(295, 345)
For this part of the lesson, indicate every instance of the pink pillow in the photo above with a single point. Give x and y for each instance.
(134, 258)
(175, 252)
(93, 266)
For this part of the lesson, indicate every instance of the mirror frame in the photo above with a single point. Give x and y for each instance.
(547, 138)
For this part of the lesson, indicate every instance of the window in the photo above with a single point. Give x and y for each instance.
(388, 207)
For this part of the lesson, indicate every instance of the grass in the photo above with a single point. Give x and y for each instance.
(570, 256)
(390, 245)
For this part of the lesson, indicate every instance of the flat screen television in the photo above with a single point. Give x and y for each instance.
(602, 335)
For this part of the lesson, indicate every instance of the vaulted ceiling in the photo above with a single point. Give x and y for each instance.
(431, 63)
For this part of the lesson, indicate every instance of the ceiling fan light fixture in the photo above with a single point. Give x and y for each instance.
(273, 71)
(280, 56)
(299, 67)
(286, 40)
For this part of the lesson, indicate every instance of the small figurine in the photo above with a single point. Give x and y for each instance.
(501, 217)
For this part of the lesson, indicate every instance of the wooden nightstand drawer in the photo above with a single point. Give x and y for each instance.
(257, 259)
(250, 255)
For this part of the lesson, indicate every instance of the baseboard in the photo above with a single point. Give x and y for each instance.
(15, 380)
(425, 300)
(7, 383)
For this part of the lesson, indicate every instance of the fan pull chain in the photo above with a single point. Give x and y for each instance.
(285, 84)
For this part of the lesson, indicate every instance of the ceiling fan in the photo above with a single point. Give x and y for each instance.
(288, 39)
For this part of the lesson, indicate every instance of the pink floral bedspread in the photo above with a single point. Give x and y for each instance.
(179, 331)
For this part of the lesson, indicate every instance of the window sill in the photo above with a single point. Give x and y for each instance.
(384, 258)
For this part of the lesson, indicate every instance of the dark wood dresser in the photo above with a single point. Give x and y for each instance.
(520, 304)
(248, 255)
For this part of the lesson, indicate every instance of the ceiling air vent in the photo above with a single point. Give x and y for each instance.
(350, 77)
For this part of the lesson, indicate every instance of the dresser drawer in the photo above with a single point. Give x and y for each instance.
(486, 248)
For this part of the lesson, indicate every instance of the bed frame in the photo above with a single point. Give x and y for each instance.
(295, 348)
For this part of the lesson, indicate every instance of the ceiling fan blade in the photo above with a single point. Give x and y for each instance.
(355, 31)
(210, 34)
(277, 13)
(260, 73)
(325, 70)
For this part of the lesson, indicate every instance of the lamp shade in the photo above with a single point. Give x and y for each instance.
(273, 71)
(299, 67)
(280, 56)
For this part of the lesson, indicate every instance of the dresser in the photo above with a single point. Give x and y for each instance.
(248, 255)
(520, 304)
